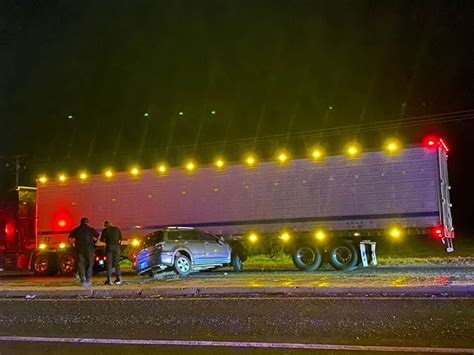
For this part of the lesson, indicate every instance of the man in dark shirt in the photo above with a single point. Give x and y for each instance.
(112, 237)
(83, 240)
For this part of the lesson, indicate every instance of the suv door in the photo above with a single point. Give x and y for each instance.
(216, 251)
(189, 240)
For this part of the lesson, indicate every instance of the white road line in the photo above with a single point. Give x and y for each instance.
(236, 344)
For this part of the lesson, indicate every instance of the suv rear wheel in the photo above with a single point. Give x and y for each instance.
(182, 265)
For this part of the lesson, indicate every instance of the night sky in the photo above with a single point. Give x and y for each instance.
(264, 67)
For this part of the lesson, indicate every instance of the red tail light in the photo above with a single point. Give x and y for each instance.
(438, 232)
(96, 258)
(433, 142)
(430, 142)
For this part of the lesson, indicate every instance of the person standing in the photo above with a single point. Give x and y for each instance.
(83, 240)
(112, 236)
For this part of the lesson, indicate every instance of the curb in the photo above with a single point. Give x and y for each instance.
(157, 292)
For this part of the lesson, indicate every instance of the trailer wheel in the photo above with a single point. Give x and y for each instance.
(45, 265)
(236, 262)
(67, 264)
(343, 256)
(307, 258)
(182, 265)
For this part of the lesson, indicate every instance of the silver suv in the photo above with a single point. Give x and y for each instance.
(187, 250)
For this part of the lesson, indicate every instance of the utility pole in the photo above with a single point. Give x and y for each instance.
(16, 169)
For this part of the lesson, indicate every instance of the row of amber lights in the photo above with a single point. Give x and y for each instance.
(394, 232)
(352, 151)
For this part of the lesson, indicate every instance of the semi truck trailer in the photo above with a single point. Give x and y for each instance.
(322, 205)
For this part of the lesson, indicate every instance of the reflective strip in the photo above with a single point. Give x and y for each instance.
(237, 344)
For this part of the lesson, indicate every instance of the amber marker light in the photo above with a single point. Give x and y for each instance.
(395, 233)
(250, 160)
(282, 157)
(392, 146)
(62, 177)
(135, 171)
(190, 166)
(316, 154)
(109, 173)
(285, 236)
(220, 163)
(253, 237)
(43, 179)
(319, 235)
(352, 150)
(83, 176)
(162, 168)
(135, 242)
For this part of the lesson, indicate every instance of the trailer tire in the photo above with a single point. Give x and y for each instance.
(182, 265)
(343, 256)
(45, 265)
(236, 262)
(307, 257)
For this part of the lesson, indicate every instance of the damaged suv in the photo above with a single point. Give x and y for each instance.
(186, 250)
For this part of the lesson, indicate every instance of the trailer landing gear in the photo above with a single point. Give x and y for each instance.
(363, 252)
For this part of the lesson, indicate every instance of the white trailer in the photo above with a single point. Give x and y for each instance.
(331, 204)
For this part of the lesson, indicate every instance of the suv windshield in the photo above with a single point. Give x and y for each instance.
(152, 239)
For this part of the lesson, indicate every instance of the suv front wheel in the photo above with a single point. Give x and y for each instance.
(236, 262)
(182, 265)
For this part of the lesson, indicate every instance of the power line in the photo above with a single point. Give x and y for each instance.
(414, 121)
(348, 129)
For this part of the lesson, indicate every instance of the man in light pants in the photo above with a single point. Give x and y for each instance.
(112, 236)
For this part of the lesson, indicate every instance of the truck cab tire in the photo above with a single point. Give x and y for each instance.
(236, 262)
(45, 265)
(343, 256)
(67, 264)
(306, 257)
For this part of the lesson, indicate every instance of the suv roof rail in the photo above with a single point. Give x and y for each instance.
(178, 227)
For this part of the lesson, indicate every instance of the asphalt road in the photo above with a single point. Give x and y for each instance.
(367, 321)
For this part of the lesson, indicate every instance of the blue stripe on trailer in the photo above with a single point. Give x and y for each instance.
(280, 220)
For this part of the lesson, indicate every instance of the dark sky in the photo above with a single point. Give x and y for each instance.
(265, 67)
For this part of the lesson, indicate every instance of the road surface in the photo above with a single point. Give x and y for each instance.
(398, 322)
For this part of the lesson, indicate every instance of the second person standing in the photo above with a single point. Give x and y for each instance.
(112, 236)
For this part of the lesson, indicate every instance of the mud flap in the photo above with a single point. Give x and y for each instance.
(363, 253)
